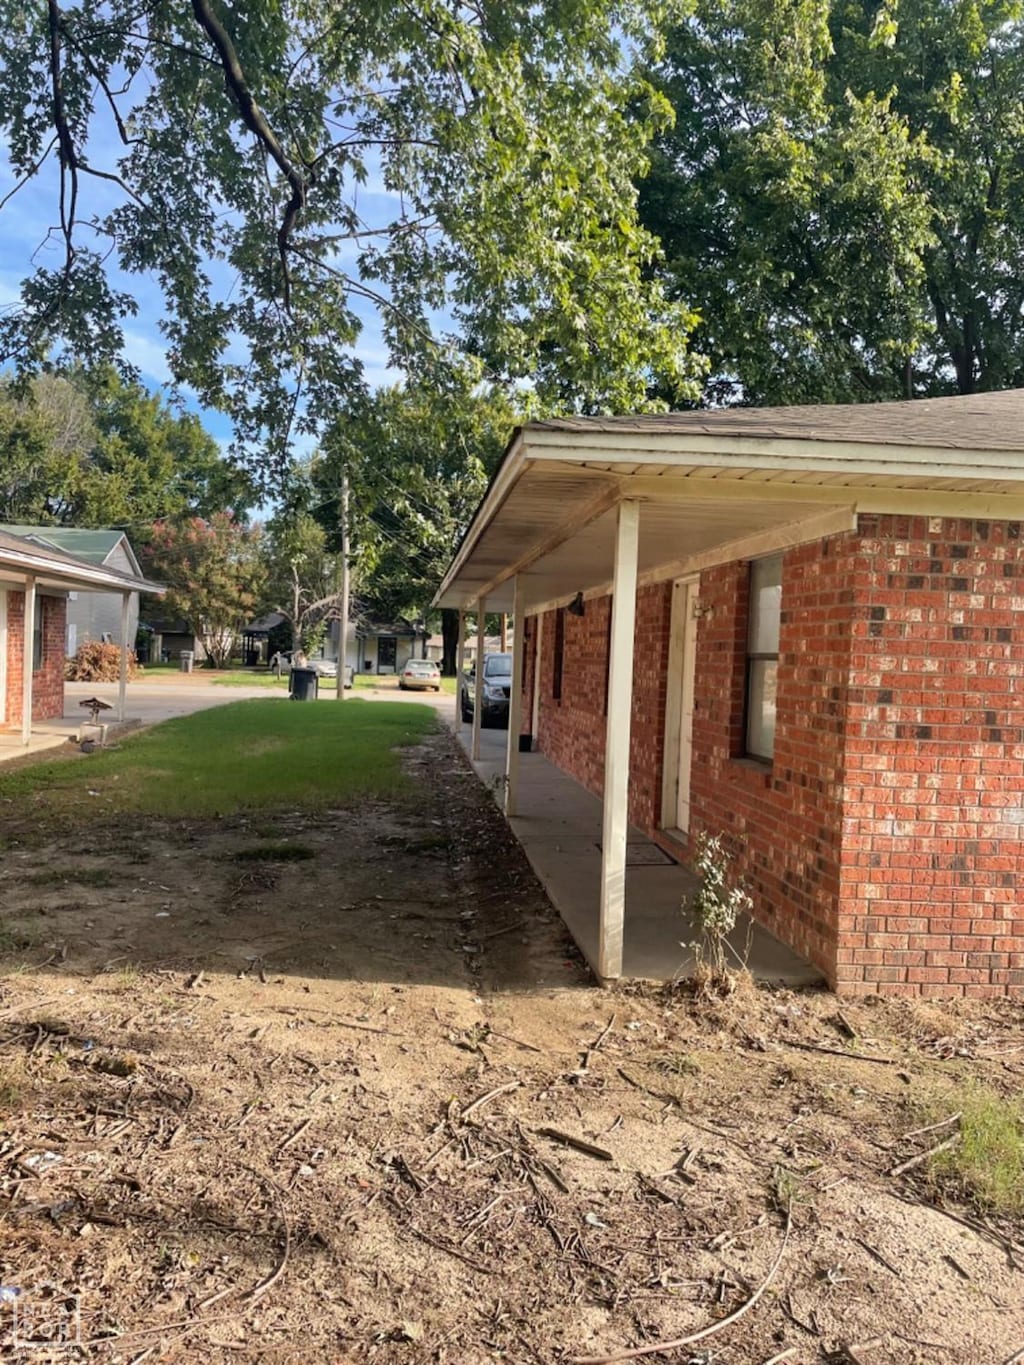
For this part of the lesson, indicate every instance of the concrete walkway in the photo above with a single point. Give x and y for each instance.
(560, 832)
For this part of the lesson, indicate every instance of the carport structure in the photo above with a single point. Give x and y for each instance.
(35, 581)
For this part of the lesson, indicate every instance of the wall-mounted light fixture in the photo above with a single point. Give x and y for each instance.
(575, 607)
(701, 609)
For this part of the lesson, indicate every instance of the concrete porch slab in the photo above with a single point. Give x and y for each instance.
(560, 832)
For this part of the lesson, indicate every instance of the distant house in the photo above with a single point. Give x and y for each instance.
(93, 615)
(37, 585)
(377, 646)
(167, 637)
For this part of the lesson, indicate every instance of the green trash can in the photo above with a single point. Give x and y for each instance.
(304, 684)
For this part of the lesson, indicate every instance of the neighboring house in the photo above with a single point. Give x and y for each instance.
(168, 637)
(36, 584)
(353, 648)
(94, 615)
(803, 627)
(386, 647)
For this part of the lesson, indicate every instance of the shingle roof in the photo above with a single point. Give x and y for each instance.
(91, 545)
(990, 421)
(29, 553)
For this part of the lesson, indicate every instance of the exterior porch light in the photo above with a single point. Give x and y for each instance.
(576, 607)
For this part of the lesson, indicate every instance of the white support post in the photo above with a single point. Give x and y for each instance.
(478, 693)
(122, 681)
(27, 658)
(460, 656)
(615, 819)
(515, 705)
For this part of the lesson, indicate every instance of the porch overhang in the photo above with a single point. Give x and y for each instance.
(718, 486)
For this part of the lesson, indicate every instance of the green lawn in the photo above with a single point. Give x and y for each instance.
(247, 755)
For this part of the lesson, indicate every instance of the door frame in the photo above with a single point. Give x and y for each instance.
(682, 654)
(393, 666)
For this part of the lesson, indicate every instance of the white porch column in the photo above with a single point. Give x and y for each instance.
(27, 658)
(615, 821)
(460, 659)
(478, 694)
(122, 681)
(515, 705)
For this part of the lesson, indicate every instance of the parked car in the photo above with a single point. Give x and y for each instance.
(497, 689)
(324, 668)
(420, 675)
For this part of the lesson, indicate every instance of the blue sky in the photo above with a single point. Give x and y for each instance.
(24, 224)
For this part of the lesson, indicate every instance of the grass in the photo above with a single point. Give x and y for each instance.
(986, 1166)
(249, 755)
(82, 876)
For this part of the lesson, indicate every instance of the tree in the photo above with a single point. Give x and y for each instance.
(302, 576)
(213, 575)
(92, 450)
(840, 196)
(418, 459)
(230, 152)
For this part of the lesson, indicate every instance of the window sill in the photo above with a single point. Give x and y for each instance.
(754, 765)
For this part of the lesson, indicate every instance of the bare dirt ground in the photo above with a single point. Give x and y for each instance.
(302, 1110)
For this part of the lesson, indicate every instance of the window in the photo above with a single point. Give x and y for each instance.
(37, 635)
(556, 675)
(763, 655)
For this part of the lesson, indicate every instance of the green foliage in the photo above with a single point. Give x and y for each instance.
(986, 1166)
(250, 135)
(716, 906)
(213, 575)
(840, 197)
(302, 574)
(82, 450)
(418, 459)
(249, 755)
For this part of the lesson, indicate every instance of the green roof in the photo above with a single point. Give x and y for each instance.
(92, 546)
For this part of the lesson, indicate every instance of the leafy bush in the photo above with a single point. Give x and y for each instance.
(99, 662)
(715, 907)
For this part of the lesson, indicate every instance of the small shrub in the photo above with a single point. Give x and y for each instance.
(715, 907)
(95, 661)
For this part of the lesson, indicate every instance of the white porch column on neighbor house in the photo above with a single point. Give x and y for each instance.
(122, 680)
(615, 819)
(460, 655)
(478, 693)
(515, 704)
(27, 652)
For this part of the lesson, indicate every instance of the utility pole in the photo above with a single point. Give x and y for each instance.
(343, 620)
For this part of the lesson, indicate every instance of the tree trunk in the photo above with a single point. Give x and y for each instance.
(450, 636)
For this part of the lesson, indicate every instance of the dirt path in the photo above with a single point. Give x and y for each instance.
(293, 1109)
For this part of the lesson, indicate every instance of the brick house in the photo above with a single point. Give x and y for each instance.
(35, 582)
(803, 627)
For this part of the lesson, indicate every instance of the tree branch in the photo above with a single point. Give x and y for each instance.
(255, 120)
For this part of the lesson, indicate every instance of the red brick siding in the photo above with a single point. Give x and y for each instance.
(571, 732)
(884, 842)
(786, 818)
(934, 789)
(48, 683)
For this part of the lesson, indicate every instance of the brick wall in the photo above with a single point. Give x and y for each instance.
(48, 683)
(785, 818)
(884, 841)
(571, 732)
(934, 787)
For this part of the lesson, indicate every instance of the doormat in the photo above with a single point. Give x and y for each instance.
(643, 854)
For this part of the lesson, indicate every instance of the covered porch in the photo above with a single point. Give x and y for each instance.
(29, 573)
(559, 827)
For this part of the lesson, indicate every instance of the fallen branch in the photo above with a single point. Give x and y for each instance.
(485, 1099)
(294, 1136)
(837, 1052)
(657, 1348)
(924, 1156)
(567, 1140)
(932, 1127)
(28, 1005)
